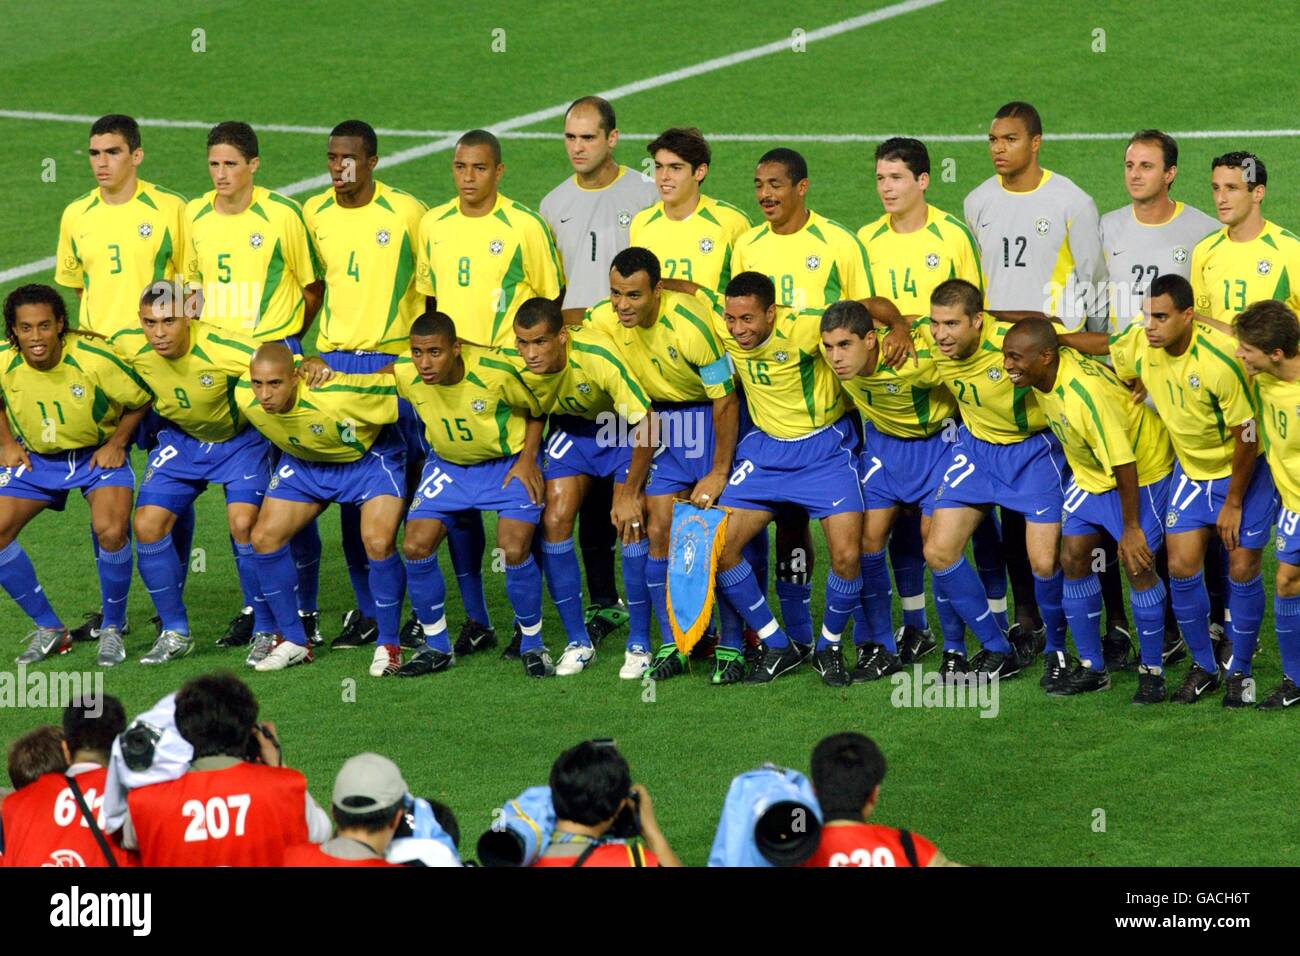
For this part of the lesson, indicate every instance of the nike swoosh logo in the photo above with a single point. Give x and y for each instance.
(1117, 253)
(1251, 534)
(565, 220)
(770, 670)
(1288, 701)
(253, 475)
(1041, 511)
(102, 477)
(1200, 690)
(836, 502)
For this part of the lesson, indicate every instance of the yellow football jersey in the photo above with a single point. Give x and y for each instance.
(821, 263)
(481, 417)
(367, 256)
(788, 387)
(197, 390)
(1227, 276)
(336, 422)
(1101, 428)
(1200, 395)
(993, 409)
(906, 267)
(76, 404)
(1278, 404)
(678, 359)
(111, 253)
(593, 382)
(697, 248)
(252, 266)
(482, 268)
(907, 402)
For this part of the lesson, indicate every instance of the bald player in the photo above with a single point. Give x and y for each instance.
(334, 449)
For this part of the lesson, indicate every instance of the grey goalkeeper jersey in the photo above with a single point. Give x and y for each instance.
(591, 227)
(1040, 251)
(1136, 253)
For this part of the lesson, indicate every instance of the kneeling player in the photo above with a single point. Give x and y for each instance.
(484, 430)
(1121, 458)
(1268, 338)
(72, 406)
(594, 404)
(334, 449)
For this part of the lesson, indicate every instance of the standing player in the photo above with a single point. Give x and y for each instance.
(595, 408)
(1268, 337)
(1250, 258)
(668, 344)
(1040, 248)
(1151, 236)
(906, 412)
(333, 448)
(912, 248)
(191, 369)
(365, 233)
(484, 430)
(479, 257)
(590, 215)
(71, 408)
(115, 240)
(1004, 454)
(692, 234)
(1221, 489)
(247, 247)
(1120, 456)
(813, 261)
(800, 452)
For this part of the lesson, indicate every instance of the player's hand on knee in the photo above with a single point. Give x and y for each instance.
(107, 456)
(529, 475)
(628, 515)
(1134, 552)
(708, 489)
(1229, 525)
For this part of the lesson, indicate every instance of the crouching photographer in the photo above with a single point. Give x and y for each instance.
(601, 817)
(236, 805)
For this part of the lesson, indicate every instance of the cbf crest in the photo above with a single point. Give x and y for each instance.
(1180, 254)
(781, 356)
(995, 374)
(624, 218)
(932, 261)
(256, 240)
(706, 245)
(1042, 226)
(382, 237)
(813, 263)
(1264, 266)
(145, 229)
(1194, 381)
(495, 247)
(205, 380)
(317, 428)
(78, 391)
(478, 405)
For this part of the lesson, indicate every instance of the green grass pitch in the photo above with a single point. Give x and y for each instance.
(1171, 781)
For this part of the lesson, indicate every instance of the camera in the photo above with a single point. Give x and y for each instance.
(138, 743)
(628, 822)
(253, 749)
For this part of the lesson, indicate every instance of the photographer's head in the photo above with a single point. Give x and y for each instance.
(88, 733)
(590, 785)
(847, 770)
(215, 713)
(369, 800)
(35, 754)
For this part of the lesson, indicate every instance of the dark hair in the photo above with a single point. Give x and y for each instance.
(958, 292)
(122, 125)
(236, 134)
(752, 283)
(372, 822)
(636, 259)
(361, 129)
(540, 311)
(1168, 145)
(1269, 325)
(216, 713)
(601, 106)
(796, 167)
(33, 294)
(1251, 166)
(446, 819)
(1038, 334)
(481, 137)
(910, 152)
(684, 141)
(847, 314)
(588, 782)
(1018, 109)
(85, 732)
(846, 767)
(1174, 286)
(35, 753)
(433, 325)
